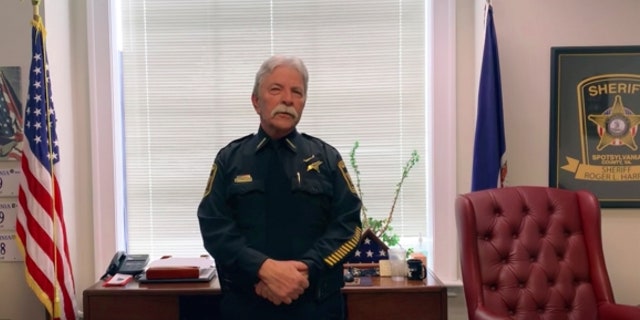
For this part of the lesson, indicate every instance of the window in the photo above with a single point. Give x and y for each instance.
(186, 71)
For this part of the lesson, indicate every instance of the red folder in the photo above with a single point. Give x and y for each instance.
(181, 272)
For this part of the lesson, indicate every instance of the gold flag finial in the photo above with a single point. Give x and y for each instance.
(36, 8)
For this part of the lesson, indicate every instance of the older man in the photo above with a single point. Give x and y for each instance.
(280, 213)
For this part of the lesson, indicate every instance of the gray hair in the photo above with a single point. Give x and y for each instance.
(281, 60)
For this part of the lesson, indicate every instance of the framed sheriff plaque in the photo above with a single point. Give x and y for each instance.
(594, 120)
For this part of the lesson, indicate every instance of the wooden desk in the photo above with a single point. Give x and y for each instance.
(383, 299)
(387, 299)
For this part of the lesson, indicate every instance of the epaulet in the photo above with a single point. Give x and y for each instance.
(312, 138)
(317, 140)
(238, 141)
(243, 138)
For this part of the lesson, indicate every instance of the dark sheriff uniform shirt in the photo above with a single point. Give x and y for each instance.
(287, 199)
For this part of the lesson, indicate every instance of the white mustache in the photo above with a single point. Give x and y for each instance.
(281, 108)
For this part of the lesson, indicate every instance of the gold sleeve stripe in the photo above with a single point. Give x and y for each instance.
(212, 176)
(344, 249)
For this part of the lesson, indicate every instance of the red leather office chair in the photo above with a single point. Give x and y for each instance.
(534, 253)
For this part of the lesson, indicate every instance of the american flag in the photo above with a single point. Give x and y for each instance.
(40, 225)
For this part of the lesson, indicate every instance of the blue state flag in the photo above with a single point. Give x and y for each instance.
(489, 152)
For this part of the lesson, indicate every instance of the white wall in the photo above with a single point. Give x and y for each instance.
(526, 30)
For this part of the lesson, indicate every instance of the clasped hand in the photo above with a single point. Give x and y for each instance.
(282, 281)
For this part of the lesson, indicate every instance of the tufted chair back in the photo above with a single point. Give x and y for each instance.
(534, 253)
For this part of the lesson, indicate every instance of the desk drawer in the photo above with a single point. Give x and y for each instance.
(131, 307)
(395, 305)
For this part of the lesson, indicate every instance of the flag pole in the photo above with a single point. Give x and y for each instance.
(487, 4)
(36, 8)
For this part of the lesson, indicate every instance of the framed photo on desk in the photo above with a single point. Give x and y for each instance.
(594, 122)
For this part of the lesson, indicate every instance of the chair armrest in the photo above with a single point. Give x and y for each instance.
(618, 312)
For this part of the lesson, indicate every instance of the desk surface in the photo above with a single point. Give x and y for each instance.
(384, 284)
(378, 284)
(379, 299)
(173, 288)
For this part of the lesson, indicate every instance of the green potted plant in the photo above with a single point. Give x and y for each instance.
(382, 227)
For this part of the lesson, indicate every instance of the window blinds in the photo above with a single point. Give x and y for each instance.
(187, 73)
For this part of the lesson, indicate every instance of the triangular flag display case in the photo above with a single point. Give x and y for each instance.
(370, 249)
(365, 260)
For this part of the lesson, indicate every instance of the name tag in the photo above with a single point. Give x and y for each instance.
(243, 178)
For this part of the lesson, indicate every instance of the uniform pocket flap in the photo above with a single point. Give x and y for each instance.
(313, 186)
(237, 189)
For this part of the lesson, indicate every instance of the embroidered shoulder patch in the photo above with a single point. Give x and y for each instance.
(212, 176)
(347, 178)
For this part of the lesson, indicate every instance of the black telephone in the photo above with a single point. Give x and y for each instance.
(122, 262)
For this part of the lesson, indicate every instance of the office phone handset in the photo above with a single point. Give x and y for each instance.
(127, 264)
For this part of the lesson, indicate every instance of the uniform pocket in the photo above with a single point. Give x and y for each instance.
(246, 188)
(313, 187)
(312, 199)
(247, 203)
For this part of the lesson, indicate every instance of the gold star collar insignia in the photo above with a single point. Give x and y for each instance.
(314, 166)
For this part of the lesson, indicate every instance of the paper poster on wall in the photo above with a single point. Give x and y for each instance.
(11, 134)
(9, 247)
(9, 178)
(8, 213)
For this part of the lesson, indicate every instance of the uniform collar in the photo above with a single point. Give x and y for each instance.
(291, 141)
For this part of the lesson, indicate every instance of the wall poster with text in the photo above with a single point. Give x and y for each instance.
(11, 137)
(11, 133)
(594, 120)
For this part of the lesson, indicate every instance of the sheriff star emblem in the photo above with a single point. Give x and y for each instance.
(616, 126)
